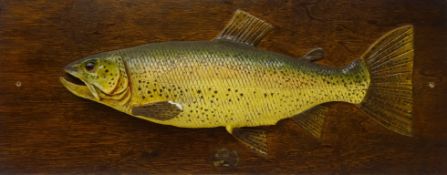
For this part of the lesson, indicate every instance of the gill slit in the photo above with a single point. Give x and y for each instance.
(129, 85)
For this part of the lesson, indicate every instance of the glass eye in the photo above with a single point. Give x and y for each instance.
(90, 65)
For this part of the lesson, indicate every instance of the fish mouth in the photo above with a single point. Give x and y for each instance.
(72, 79)
(75, 85)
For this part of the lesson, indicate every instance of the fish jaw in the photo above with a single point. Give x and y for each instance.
(78, 90)
(83, 90)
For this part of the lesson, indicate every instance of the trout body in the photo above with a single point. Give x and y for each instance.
(218, 83)
(229, 82)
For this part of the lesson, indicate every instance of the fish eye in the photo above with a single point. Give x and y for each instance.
(89, 66)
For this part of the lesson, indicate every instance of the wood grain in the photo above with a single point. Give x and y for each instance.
(46, 129)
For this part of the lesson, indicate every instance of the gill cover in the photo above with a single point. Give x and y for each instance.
(105, 73)
(108, 75)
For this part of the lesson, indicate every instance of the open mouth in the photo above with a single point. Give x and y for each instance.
(76, 85)
(72, 79)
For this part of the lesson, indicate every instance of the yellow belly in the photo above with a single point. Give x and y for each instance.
(221, 85)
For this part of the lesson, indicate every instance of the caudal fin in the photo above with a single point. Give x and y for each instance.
(389, 99)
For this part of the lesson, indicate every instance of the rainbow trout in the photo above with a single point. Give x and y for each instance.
(229, 82)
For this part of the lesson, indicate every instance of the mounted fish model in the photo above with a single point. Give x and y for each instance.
(229, 82)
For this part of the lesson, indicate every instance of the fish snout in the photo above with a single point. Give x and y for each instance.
(72, 73)
(72, 67)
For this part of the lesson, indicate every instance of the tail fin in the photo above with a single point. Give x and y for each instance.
(389, 99)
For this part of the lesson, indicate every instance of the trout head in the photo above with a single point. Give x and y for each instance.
(101, 78)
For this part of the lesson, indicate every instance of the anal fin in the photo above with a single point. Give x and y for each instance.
(313, 120)
(254, 138)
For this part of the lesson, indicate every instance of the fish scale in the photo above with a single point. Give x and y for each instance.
(229, 82)
(251, 87)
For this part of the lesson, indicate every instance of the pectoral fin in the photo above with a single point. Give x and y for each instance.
(244, 28)
(164, 110)
(254, 138)
(314, 54)
(312, 120)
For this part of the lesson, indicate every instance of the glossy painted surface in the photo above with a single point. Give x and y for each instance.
(39, 135)
(219, 83)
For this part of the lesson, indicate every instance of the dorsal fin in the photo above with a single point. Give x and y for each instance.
(245, 28)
